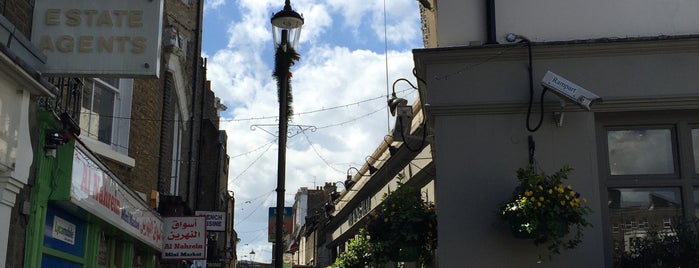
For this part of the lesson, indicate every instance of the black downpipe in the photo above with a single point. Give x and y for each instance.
(490, 22)
(195, 79)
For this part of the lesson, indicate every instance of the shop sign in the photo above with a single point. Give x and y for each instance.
(111, 37)
(96, 191)
(215, 220)
(185, 238)
(63, 230)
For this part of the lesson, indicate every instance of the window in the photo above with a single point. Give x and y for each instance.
(176, 154)
(649, 162)
(105, 111)
(640, 151)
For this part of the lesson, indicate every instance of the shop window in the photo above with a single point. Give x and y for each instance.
(103, 252)
(119, 251)
(139, 259)
(644, 159)
(654, 207)
(105, 111)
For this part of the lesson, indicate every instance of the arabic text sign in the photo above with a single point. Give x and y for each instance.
(185, 238)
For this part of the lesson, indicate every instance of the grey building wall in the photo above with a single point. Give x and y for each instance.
(477, 104)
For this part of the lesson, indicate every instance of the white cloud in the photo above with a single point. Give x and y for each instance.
(213, 4)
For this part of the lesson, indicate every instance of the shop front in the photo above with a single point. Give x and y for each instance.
(83, 216)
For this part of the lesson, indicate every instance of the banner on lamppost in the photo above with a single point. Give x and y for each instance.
(273, 221)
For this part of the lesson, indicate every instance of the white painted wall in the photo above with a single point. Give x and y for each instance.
(478, 102)
(460, 22)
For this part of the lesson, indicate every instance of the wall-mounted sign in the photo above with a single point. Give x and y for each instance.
(63, 230)
(185, 238)
(97, 192)
(215, 220)
(111, 37)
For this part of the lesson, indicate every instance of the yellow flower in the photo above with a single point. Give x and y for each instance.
(584, 200)
(538, 203)
(572, 192)
(528, 193)
(567, 197)
(533, 199)
(570, 187)
(385, 219)
(550, 191)
(541, 188)
(563, 202)
(541, 198)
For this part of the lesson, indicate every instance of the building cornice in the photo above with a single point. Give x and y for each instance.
(558, 49)
(609, 104)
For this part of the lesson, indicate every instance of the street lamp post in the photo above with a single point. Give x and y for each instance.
(286, 26)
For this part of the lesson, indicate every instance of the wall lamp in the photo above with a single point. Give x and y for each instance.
(391, 149)
(349, 182)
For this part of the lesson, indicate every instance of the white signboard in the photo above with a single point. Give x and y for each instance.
(108, 37)
(107, 198)
(63, 230)
(215, 220)
(185, 238)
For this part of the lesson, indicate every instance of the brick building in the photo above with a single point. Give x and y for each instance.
(147, 135)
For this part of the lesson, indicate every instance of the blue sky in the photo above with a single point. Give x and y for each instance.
(339, 88)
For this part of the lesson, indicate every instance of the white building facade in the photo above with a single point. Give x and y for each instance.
(19, 81)
(635, 153)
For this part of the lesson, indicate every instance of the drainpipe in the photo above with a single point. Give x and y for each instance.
(195, 69)
(490, 22)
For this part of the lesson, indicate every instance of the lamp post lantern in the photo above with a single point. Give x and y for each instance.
(286, 27)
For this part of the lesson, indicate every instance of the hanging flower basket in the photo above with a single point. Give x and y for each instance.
(543, 209)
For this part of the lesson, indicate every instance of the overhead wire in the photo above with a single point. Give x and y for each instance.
(238, 119)
(254, 210)
(251, 164)
(318, 154)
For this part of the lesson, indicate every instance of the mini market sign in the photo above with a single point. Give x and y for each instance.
(109, 37)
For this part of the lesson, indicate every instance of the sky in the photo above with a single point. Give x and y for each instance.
(351, 53)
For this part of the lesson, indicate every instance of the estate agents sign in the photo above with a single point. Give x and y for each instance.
(110, 37)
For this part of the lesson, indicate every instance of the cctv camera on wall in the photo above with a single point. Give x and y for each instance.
(565, 88)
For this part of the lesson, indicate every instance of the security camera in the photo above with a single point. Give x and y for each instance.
(573, 92)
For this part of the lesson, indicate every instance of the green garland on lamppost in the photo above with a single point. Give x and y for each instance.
(284, 58)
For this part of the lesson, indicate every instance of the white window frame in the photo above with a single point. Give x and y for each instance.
(118, 148)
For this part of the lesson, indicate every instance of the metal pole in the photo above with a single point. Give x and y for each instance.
(281, 165)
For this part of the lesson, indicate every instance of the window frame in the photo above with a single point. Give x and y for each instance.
(685, 178)
(118, 148)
